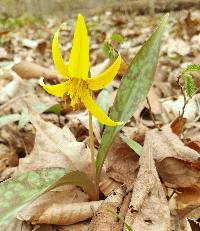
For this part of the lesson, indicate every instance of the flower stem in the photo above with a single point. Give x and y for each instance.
(91, 135)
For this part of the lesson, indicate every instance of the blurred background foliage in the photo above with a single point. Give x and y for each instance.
(41, 8)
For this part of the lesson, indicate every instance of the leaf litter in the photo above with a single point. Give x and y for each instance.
(158, 190)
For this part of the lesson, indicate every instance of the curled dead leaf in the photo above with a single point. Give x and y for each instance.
(122, 163)
(54, 147)
(148, 209)
(29, 70)
(107, 184)
(173, 159)
(65, 214)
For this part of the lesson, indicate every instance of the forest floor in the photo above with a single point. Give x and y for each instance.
(29, 138)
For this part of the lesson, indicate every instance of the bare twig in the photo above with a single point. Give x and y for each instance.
(152, 115)
(184, 96)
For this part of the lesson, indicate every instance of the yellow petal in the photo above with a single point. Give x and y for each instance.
(79, 57)
(106, 77)
(58, 90)
(93, 108)
(60, 66)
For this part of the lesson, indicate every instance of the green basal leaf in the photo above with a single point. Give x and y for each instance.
(17, 192)
(80, 179)
(117, 38)
(192, 67)
(132, 144)
(189, 85)
(4, 120)
(133, 89)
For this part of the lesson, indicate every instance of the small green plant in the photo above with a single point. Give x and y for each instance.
(188, 88)
(188, 79)
(108, 47)
(115, 214)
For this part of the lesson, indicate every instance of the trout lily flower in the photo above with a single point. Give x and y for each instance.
(77, 84)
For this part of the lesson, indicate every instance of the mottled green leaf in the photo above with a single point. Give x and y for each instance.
(80, 179)
(17, 192)
(133, 89)
(133, 144)
(4, 120)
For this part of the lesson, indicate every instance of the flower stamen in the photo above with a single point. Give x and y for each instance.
(75, 90)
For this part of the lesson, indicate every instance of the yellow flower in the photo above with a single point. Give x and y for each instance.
(78, 84)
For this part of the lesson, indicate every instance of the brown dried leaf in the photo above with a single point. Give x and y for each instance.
(67, 194)
(122, 163)
(83, 226)
(64, 214)
(31, 70)
(173, 158)
(18, 225)
(104, 220)
(83, 118)
(54, 147)
(107, 184)
(177, 173)
(177, 125)
(63, 207)
(187, 197)
(148, 209)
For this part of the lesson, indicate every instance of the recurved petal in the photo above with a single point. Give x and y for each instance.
(58, 90)
(79, 56)
(95, 110)
(60, 66)
(106, 77)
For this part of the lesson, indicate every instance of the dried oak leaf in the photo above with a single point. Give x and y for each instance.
(29, 70)
(68, 205)
(148, 209)
(122, 163)
(54, 147)
(187, 197)
(173, 159)
(107, 184)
